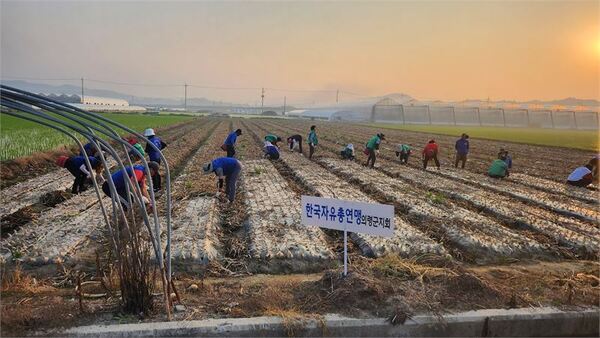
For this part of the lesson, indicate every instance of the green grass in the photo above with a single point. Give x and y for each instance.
(21, 138)
(578, 139)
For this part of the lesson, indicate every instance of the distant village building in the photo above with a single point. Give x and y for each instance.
(95, 103)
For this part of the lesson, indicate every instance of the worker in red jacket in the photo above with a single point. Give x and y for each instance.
(430, 152)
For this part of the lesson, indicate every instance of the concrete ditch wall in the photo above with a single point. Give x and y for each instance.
(538, 322)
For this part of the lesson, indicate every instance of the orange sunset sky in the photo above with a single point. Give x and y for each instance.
(447, 50)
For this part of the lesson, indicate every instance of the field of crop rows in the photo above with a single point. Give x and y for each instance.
(454, 215)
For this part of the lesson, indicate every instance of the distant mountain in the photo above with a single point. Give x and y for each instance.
(401, 98)
(148, 101)
(569, 101)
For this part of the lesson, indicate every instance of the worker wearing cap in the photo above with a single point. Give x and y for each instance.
(229, 144)
(430, 152)
(373, 148)
(273, 139)
(77, 166)
(227, 170)
(137, 175)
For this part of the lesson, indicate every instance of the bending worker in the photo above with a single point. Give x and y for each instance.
(273, 139)
(582, 176)
(403, 152)
(90, 149)
(373, 148)
(227, 170)
(135, 157)
(137, 175)
(430, 152)
(77, 166)
(499, 168)
(271, 151)
(229, 144)
(295, 142)
(348, 152)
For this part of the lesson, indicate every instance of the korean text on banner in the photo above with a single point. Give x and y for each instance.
(373, 219)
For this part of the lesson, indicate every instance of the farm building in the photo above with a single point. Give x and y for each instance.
(94, 103)
(330, 114)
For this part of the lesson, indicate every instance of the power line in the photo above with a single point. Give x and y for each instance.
(336, 92)
(136, 84)
(34, 79)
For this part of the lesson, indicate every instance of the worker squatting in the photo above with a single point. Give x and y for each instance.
(227, 169)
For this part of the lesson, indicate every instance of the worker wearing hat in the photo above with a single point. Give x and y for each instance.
(77, 166)
(227, 170)
(134, 155)
(373, 148)
(153, 154)
(137, 175)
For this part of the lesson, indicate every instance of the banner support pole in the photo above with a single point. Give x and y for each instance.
(345, 252)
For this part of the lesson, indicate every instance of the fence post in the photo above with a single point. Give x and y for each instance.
(479, 116)
(403, 117)
(552, 118)
(527, 114)
(575, 119)
(429, 114)
(503, 117)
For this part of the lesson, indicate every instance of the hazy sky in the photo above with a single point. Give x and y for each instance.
(430, 50)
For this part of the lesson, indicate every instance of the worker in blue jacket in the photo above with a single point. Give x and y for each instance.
(89, 149)
(227, 170)
(77, 166)
(271, 151)
(137, 175)
(154, 155)
(229, 144)
(462, 150)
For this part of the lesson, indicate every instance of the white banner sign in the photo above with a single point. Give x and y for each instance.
(373, 219)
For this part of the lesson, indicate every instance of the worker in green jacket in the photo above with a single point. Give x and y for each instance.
(373, 148)
(312, 141)
(403, 151)
(499, 168)
(273, 139)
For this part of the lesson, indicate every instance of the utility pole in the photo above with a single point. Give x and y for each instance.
(429, 114)
(337, 96)
(82, 97)
(262, 101)
(185, 97)
(284, 104)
